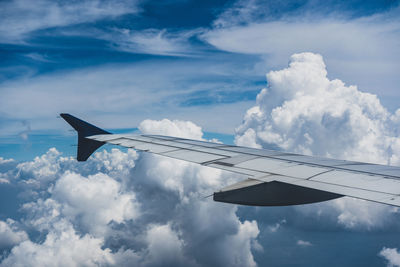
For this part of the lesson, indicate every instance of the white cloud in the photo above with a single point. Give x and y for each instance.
(248, 231)
(4, 161)
(7, 166)
(151, 41)
(3, 180)
(248, 138)
(275, 227)
(95, 201)
(303, 243)
(347, 214)
(352, 214)
(240, 12)
(164, 247)
(43, 215)
(19, 18)
(183, 129)
(266, 38)
(38, 57)
(43, 168)
(391, 255)
(115, 162)
(61, 248)
(356, 214)
(10, 235)
(38, 174)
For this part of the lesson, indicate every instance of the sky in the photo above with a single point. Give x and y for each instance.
(311, 77)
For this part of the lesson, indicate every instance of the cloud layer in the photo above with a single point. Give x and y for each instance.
(124, 209)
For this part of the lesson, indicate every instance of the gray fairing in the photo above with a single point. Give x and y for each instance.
(273, 194)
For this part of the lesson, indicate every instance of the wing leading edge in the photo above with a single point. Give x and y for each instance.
(274, 178)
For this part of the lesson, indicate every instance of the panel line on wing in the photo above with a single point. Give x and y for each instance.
(331, 186)
(319, 174)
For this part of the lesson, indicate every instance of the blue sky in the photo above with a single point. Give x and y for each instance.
(116, 63)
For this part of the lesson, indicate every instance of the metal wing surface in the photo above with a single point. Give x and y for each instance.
(289, 175)
(274, 178)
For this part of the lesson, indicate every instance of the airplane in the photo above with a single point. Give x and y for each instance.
(274, 178)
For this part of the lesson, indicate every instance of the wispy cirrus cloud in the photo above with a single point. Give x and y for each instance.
(20, 18)
(153, 41)
(126, 91)
(362, 50)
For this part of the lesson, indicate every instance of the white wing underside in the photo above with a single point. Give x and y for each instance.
(372, 182)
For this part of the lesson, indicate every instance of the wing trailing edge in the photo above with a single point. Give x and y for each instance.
(276, 178)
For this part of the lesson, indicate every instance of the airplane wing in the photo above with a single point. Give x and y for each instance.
(275, 178)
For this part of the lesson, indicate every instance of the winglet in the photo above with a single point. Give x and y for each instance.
(85, 146)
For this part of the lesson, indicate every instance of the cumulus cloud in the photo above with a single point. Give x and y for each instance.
(36, 176)
(355, 214)
(4, 161)
(43, 168)
(10, 234)
(303, 111)
(96, 200)
(183, 129)
(164, 247)
(391, 255)
(6, 166)
(61, 248)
